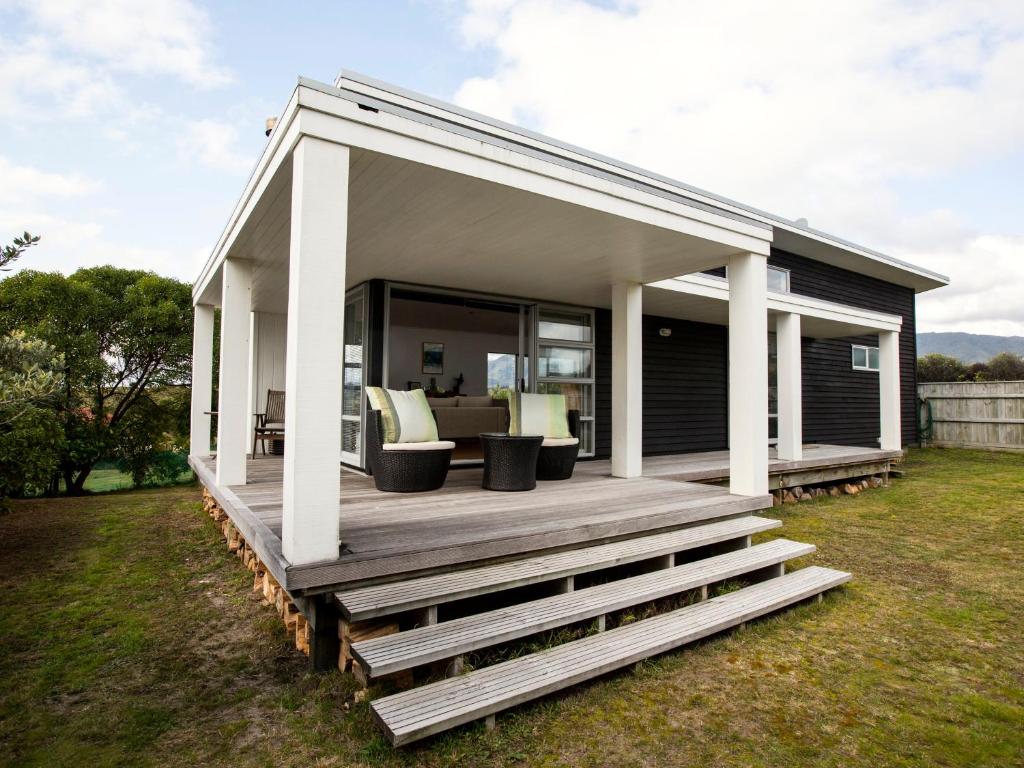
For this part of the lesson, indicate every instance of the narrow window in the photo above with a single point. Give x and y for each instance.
(778, 280)
(865, 358)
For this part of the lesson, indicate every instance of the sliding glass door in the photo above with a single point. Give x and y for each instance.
(353, 377)
(564, 355)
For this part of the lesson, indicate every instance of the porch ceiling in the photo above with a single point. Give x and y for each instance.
(416, 223)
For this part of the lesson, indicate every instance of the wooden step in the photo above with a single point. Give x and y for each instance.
(405, 650)
(385, 599)
(421, 712)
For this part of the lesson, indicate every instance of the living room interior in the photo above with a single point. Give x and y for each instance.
(464, 353)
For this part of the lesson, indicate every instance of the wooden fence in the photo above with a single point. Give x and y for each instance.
(974, 414)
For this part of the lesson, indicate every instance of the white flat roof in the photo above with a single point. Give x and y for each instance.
(788, 234)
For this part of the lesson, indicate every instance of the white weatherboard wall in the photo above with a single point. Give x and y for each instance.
(313, 376)
(269, 343)
(748, 374)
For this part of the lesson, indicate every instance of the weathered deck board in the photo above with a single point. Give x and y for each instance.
(436, 707)
(405, 650)
(385, 599)
(714, 465)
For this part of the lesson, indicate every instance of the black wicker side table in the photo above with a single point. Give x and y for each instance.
(510, 463)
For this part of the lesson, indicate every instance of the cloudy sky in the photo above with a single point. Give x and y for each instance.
(128, 128)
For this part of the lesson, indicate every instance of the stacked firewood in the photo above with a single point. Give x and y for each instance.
(263, 584)
(800, 493)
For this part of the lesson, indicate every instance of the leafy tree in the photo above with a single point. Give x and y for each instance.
(936, 367)
(1006, 366)
(30, 434)
(11, 253)
(977, 372)
(123, 334)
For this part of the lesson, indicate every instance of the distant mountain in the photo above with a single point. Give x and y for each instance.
(968, 347)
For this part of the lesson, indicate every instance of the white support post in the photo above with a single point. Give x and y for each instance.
(202, 380)
(313, 386)
(627, 376)
(790, 400)
(889, 389)
(748, 374)
(233, 421)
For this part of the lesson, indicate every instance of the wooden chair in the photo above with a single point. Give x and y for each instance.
(270, 423)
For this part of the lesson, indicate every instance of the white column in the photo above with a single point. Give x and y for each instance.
(202, 380)
(791, 424)
(748, 374)
(316, 304)
(233, 419)
(889, 389)
(627, 375)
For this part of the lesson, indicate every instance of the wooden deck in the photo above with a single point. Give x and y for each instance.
(821, 463)
(390, 536)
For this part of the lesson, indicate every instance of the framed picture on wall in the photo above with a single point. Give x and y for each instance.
(433, 357)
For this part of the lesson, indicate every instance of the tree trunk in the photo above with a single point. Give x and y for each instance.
(77, 487)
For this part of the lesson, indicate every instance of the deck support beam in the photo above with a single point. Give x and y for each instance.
(324, 643)
(202, 380)
(234, 424)
(748, 374)
(889, 390)
(627, 378)
(316, 308)
(790, 401)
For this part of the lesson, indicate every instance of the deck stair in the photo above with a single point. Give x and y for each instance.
(427, 592)
(424, 645)
(420, 712)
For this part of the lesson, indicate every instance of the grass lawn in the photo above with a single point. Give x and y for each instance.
(112, 479)
(130, 638)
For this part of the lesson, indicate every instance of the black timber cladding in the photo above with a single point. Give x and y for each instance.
(685, 389)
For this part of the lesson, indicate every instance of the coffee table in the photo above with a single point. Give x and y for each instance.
(510, 462)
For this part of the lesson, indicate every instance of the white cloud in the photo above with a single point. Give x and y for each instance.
(802, 108)
(987, 293)
(72, 53)
(22, 183)
(214, 143)
(36, 201)
(158, 37)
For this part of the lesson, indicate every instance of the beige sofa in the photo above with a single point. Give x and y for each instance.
(466, 416)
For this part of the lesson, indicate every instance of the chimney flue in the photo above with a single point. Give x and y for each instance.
(271, 124)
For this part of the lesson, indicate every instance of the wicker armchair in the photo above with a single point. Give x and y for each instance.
(270, 423)
(557, 458)
(405, 467)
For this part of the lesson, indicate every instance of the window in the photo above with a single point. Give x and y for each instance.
(865, 358)
(778, 280)
(501, 374)
(565, 363)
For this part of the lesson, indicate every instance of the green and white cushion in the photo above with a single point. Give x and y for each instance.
(545, 415)
(405, 416)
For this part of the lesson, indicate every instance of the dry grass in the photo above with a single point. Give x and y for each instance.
(130, 638)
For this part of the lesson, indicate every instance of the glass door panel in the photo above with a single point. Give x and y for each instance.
(353, 377)
(565, 326)
(563, 345)
(564, 362)
(578, 396)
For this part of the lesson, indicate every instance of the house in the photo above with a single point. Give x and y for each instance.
(385, 238)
